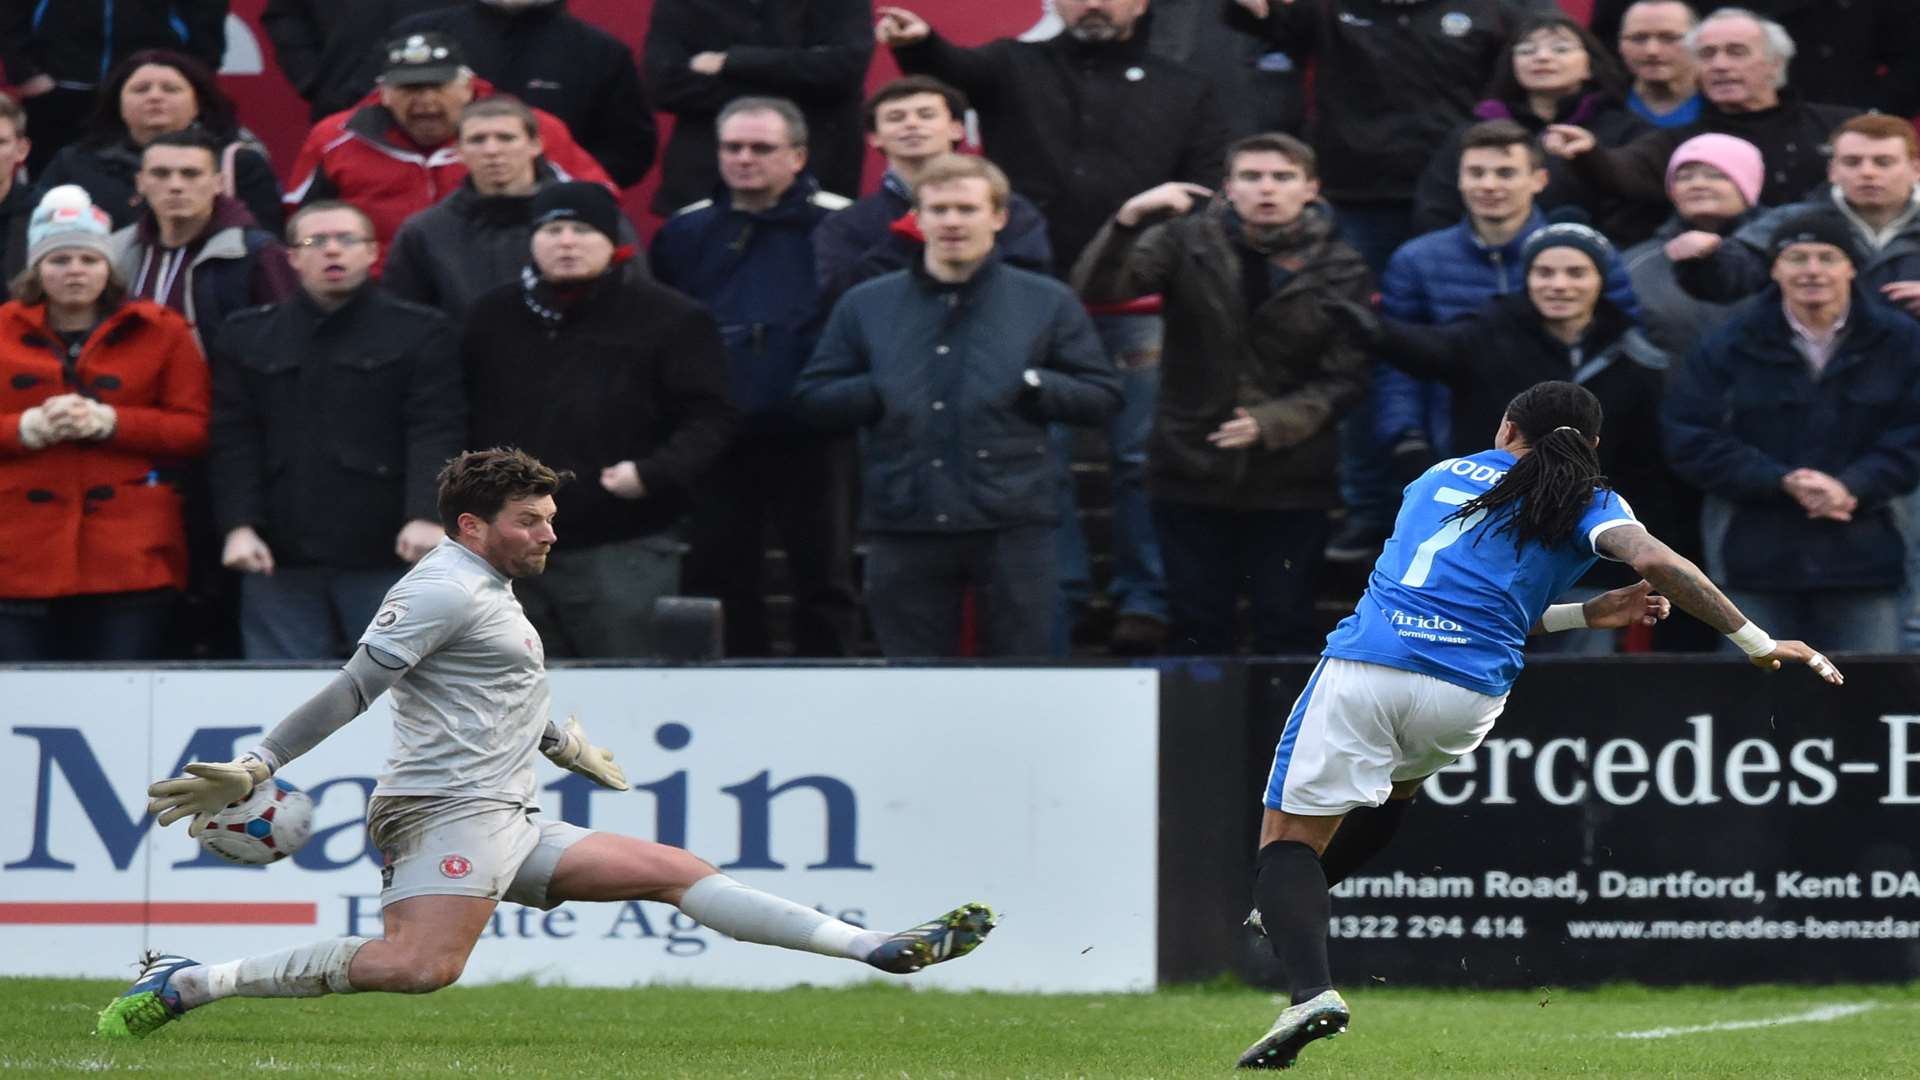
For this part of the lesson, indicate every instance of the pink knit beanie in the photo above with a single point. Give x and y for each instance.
(1737, 158)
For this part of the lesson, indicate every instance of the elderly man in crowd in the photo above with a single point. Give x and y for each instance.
(1742, 62)
(394, 155)
(1800, 420)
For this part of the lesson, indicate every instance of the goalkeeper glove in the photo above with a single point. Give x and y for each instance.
(208, 788)
(568, 748)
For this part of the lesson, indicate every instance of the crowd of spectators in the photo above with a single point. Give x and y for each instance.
(1265, 301)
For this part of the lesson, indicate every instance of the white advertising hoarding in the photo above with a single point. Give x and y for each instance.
(882, 796)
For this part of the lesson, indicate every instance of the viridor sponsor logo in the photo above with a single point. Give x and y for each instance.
(1428, 627)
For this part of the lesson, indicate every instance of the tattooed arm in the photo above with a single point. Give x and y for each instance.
(1675, 576)
(1678, 579)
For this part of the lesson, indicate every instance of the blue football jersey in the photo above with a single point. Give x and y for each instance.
(1449, 598)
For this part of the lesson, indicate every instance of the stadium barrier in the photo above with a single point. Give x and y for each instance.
(881, 796)
(1658, 819)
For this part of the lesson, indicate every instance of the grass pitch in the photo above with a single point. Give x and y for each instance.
(893, 1033)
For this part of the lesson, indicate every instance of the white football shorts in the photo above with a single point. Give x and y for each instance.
(1358, 727)
(452, 846)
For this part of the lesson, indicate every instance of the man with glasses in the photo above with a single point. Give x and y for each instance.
(333, 412)
(747, 254)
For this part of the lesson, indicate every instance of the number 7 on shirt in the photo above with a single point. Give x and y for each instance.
(1450, 531)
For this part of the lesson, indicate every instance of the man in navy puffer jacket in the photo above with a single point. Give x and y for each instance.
(747, 254)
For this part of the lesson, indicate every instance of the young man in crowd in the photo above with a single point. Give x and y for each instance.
(475, 239)
(1244, 462)
(955, 368)
(193, 248)
(912, 121)
(333, 411)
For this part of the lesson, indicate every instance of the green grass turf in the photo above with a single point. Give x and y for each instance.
(891, 1032)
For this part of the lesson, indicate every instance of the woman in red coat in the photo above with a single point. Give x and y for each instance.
(99, 397)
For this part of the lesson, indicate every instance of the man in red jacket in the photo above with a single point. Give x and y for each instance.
(396, 154)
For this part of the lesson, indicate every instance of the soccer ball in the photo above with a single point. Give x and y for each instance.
(268, 825)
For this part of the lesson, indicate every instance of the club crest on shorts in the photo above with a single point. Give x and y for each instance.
(389, 614)
(455, 866)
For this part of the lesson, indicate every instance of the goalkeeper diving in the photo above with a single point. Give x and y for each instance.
(455, 815)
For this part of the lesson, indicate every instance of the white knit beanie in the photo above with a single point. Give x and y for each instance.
(67, 218)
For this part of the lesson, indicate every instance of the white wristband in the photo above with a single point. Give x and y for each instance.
(1752, 640)
(1564, 617)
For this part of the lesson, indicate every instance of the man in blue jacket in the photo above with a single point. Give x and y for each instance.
(1451, 273)
(747, 254)
(955, 367)
(912, 121)
(1800, 419)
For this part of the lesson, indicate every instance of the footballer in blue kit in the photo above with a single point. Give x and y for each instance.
(1417, 675)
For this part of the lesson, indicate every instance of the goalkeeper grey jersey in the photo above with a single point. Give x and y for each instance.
(468, 714)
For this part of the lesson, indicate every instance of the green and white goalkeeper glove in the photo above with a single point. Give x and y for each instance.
(568, 748)
(206, 790)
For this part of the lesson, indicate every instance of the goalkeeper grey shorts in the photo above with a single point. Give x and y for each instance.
(453, 846)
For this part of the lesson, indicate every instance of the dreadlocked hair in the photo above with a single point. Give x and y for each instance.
(1546, 493)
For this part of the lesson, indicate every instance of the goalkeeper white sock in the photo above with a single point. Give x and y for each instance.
(747, 914)
(306, 971)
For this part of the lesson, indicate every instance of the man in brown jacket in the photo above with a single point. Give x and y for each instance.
(1243, 462)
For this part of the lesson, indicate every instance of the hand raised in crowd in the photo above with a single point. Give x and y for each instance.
(708, 63)
(898, 26)
(1236, 434)
(1904, 293)
(417, 537)
(1174, 196)
(246, 552)
(1820, 495)
(1692, 244)
(623, 481)
(35, 86)
(1567, 140)
(1259, 9)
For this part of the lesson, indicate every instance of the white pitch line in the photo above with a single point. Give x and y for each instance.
(1812, 1016)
